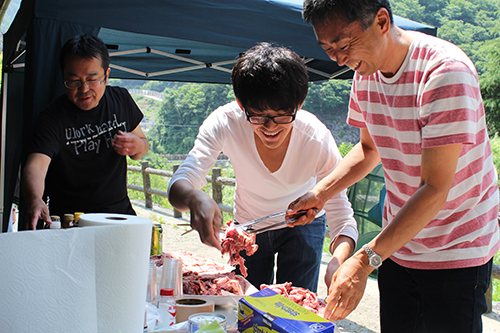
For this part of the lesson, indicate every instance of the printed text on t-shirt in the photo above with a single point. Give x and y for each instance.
(88, 137)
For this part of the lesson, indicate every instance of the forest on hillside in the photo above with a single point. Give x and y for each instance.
(473, 25)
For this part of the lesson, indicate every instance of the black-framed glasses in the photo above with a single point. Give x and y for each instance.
(91, 84)
(262, 120)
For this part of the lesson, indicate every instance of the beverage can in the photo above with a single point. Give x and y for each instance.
(156, 239)
(196, 319)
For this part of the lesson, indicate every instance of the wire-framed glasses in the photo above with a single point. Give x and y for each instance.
(262, 120)
(91, 84)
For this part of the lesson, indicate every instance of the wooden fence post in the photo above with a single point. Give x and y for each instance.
(216, 187)
(146, 181)
(177, 213)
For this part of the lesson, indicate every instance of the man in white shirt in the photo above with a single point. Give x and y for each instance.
(278, 152)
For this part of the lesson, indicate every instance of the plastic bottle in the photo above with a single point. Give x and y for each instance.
(167, 308)
(77, 218)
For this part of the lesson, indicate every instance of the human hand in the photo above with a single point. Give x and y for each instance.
(206, 218)
(346, 289)
(37, 210)
(126, 143)
(310, 202)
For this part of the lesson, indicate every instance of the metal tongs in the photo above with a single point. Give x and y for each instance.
(248, 227)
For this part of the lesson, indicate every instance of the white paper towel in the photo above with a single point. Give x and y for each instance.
(76, 280)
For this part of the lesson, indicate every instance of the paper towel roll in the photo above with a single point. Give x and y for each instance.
(91, 279)
(189, 306)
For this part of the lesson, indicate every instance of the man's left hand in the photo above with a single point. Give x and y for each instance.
(126, 143)
(346, 289)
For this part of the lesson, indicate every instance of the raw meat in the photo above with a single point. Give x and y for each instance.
(235, 241)
(301, 296)
(193, 263)
(203, 276)
(213, 284)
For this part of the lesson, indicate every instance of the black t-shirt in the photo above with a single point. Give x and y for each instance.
(85, 173)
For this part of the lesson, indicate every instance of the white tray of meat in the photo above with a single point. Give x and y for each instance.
(221, 288)
(207, 279)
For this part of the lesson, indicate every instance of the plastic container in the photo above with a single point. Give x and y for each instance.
(167, 308)
(204, 323)
(56, 223)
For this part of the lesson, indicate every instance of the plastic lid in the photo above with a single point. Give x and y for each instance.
(166, 292)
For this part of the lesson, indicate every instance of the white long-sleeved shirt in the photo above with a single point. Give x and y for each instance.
(312, 154)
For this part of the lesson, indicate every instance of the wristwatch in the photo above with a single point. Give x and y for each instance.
(374, 259)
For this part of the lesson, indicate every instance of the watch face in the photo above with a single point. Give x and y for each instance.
(375, 261)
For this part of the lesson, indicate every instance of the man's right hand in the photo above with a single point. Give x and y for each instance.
(309, 201)
(33, 181)
(206, 218)
(37, 210)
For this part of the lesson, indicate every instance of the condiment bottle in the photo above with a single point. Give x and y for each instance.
(77, 218)
(56, 222)
(167, 308)
(67, 221)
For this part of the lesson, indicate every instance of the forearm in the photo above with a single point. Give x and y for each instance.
(181, 194)
(32, 184)
(355, 165)
(342, 248)
(410, 220)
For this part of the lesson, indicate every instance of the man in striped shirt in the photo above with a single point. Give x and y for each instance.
(417, 102)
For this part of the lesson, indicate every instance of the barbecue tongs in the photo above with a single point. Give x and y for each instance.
(248, 227)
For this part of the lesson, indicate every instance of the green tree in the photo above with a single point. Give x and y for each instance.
(328, 99)
(490, 83)
(184, 109)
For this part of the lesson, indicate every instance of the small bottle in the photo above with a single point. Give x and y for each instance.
(167, 308)
(77, 218)
(67, 221)
(56, 222)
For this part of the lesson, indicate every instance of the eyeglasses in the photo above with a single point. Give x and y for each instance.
(262, 120)
(91, 84)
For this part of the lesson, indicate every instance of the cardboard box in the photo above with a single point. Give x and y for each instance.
(268, 311)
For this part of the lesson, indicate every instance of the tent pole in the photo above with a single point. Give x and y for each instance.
(2, 147)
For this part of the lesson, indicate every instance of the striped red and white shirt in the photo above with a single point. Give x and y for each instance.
(433, 100)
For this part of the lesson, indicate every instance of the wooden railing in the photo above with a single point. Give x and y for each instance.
(217, 181)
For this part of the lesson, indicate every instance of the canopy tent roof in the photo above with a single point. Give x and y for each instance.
(175, 40)
(195, 40)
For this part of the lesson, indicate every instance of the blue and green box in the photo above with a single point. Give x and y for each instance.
(268, 312)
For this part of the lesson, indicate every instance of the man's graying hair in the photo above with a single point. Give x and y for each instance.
(318, 12)
(87, 47)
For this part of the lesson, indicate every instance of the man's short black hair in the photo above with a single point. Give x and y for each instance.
(85, 46)
(318, 12)
(270, 77)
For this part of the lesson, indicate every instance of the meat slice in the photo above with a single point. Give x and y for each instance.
(235, 241)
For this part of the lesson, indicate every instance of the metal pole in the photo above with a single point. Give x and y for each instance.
(2, 147)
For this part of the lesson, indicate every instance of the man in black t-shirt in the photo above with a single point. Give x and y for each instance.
(81, 140)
